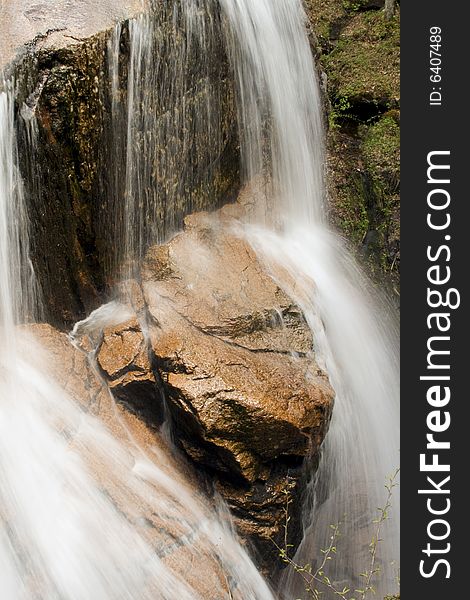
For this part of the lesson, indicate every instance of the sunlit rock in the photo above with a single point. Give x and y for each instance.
(234, 358)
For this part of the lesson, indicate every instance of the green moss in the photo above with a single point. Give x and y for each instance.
(364, 185)
(355, 5)
(381, 155)
(381, 150)
(323, 16)
(351, 211)
(364, 64)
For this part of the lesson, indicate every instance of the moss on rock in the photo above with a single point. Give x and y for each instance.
(364, 64)
(359, 52)
(381, 151)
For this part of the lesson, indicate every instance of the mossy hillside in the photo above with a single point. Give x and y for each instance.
(364, 64)
(364, 181)
(325, 17)
(380, 146)
(359, 51)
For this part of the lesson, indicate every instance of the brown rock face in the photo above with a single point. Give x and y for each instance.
(234, 356)
(124, 359)
(71, 61)
(233, 349)
(172, 519)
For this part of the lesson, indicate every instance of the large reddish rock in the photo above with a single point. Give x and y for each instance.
(234, 357)
(124, 359)
(235, 352)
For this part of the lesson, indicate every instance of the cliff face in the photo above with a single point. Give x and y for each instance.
(80, 153)
(62, 119)
(358, 51)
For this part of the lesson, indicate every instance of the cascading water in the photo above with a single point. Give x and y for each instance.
(282, 138)
(17, 291)
(79, 505)
(170, 125)
(75, 497)
(278, 104)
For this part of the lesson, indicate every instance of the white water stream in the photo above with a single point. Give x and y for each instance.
(86, 511)
(355, 337)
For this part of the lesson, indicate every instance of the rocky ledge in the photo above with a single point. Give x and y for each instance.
(57, 23)
(233, 357)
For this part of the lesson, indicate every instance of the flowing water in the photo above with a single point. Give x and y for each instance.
(355, 337)
(170, 127)
(18, 287)
(86, 509)
(76, 490)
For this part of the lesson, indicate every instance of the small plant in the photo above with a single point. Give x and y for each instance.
(317, 580)
(353, 5)
(339, 111)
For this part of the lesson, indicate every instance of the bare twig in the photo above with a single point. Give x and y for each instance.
(313, 579)
(383, 516)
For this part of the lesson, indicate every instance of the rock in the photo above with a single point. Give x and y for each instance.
(123, 357)
(234, 355)
(72, 124)
(235, 352)
(60, 23)
(165, 505)
(71, 368)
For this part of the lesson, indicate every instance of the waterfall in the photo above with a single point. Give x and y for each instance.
(170, 125)
(355, 336)
(86, 511)
(76, 491)
(17, 289)
(279, 103)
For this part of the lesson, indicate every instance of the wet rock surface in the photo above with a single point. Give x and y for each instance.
(234, 358)
(233, 348)
(178, 529)
(72, 146)
(71, 368)
(124, 359)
